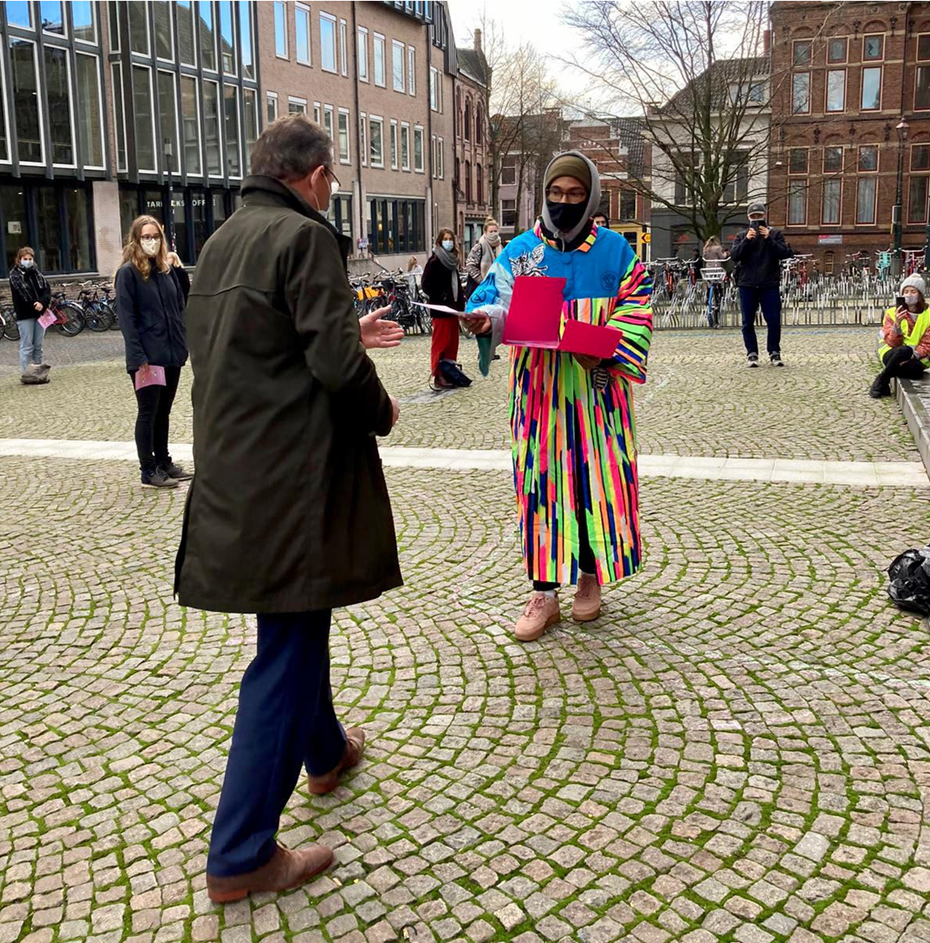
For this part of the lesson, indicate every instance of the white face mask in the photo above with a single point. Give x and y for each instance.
(910, 298)
(27, 263)
(150, 246)
(448, 245)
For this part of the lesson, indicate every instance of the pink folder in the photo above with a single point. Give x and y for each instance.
(47, 319)
(150, 376)
(535, 320)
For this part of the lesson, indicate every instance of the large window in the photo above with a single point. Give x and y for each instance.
(231, 129)
(58, 99)
(798, 160)
(797, 203)
(832, 193)
(119, 115)
(802, 52)
(89, 115)
(871, 88)
(363, 138)
(186, 46)
(328, 43)
(340, 214)
(363, 54)
(836, 50)
(922, 88)
(393, 144)
(302, 33)
(207, 37)
(162, 15)
(418, 150)
(280, 28)
(83, 13)
(508, 170)
(139, 27)
(508, 213)
(227, 37)
(343, 44)
(917, 200)
(19, 14)
(836, 90)
(397, 66)
(865, 201)
(211, 127)
(51, 17)
(344, 149)
(190, 125)
(833, 159)
(868, 157)
(144, 117)
(736, 189)
(376, 137)
(168, 120)
(801, 93)
(379, 59)
(329, 121)
(26, 102)
(405, 145)
(396, 226)
(873, 48)
(412, 70)
(435, 89)
(250, 119)
(247, 49)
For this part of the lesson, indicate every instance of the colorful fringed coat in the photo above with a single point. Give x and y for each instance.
(574, 444)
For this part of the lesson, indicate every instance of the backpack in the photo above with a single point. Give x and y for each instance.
(452, 373)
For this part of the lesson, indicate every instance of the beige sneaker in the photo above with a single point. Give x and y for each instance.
(587, 604)
(541, 611)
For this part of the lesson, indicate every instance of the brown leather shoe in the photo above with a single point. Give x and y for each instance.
(286, 869)
(541, 611)
(587, 603)
(355, 746)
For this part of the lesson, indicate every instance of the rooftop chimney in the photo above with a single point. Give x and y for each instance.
(766, 42)
(478, 40)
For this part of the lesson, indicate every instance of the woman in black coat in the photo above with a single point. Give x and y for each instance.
(441, 284)
(151, 316)
(31, 296)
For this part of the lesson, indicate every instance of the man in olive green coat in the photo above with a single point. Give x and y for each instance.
(288, 515)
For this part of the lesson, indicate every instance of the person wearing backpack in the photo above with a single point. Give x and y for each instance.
(441, 283)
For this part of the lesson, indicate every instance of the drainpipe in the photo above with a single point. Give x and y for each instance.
(360, 214)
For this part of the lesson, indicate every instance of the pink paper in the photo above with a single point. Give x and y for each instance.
(150, 376)
(47, 319)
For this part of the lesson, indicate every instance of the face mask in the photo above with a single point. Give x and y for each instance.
(150, 246)
(566, 216)
(27, 263)
(448, 245)
(493, 238)
(910, 298)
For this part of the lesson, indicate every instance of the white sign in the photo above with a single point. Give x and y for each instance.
(14, 228)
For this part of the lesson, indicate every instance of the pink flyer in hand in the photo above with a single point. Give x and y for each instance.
(150, 376)
(47, 319)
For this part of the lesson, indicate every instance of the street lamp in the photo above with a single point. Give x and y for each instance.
(901, 128)
(169, 235)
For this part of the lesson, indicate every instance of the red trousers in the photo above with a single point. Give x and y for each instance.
(445, 341)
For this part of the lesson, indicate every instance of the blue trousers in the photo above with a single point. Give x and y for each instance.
(285, 721)
(31, 334)
(750, 299)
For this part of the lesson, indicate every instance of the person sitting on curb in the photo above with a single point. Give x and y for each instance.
(905, 348)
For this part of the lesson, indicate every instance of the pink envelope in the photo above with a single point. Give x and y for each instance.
(47, 319)
(535, 320)
(150, 376)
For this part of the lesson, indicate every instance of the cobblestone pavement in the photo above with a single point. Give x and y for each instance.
(738, 750)
(700, 399)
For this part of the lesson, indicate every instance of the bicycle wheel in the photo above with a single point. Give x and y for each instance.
(10, 327)
(96, 318)
(74, 319)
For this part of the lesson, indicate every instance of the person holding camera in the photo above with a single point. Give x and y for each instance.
(758, 251)
(905, 347)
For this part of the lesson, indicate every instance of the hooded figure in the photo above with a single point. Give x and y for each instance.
(574, 445)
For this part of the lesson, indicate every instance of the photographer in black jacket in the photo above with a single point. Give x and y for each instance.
(759, 250)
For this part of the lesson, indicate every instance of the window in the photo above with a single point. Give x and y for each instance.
(378, 40)
(190, 125)
(627, 207)
(920, 157)
(922, 88)
(363, 54)
(405, 145)
(328, 113)
(396, 225)
(363, 138)
(411, 70)
(830, 212)
(340, 214)
(418, 149)
(119, 116)
(280, 28)
(186, 47)
(376, 135)
(90, 116)
(801, 93)
(440, 159)
(865, 201)
(83, 14)
(344, 135)
(833, 160)
(836, 50)
(161, 14)
(868, 157)
(316, 112)
(797, 160)
(836, 90)
(328, 42)
(19, 14)
(343, 53)
(479, 185)
(466, 127)
(247, 54)
(757, 93)
(227, 39)
(168, 120)
(297, 106)
(797, 203)
(302, 33)
(917, 200)
(508, 213)
(138, 27)
(871, 88)
(51, 18)
(737, 188)
(435, 89)
(207, 39)
(231, 127)
(26, 102)
(393, 144)
(211, 127)
(802, 52)
(509, 170)
(271, 104)
(873, 48)
(923, 47)
(397, 62)
(479, 125)
(144, 117)
(250, 118)
(432, 153)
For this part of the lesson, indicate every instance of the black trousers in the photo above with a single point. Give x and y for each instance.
(285, 721)
(154, 411)
(899, 362)
(769, 299)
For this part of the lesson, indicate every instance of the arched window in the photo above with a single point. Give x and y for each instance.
(466, 134)
(479, 188)
(479, 126)
(467, 180)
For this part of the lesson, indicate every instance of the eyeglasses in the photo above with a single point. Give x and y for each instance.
(558, 195)
(329, 170)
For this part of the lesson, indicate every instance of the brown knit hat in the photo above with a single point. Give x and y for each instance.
(569, 165)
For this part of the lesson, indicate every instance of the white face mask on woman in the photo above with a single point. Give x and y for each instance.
(448, 245)
(150, 246)
(26, 263)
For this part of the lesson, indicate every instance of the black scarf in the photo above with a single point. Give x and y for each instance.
(26, 287)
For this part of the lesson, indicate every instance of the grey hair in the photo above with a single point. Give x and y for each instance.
(291, 148)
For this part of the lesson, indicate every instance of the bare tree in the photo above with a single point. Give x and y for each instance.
(697, 73)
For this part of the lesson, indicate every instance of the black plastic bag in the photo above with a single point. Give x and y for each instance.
(910, 581)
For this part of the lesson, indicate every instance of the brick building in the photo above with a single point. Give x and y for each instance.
(379, 77)
(844, 75)
(473, 164)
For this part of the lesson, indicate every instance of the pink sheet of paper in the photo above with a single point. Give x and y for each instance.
(150, 376)
(47, 319)
(535, 320)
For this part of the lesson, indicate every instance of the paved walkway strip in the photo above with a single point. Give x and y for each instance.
(857, 474)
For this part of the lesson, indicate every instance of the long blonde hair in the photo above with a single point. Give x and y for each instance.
(132, 251)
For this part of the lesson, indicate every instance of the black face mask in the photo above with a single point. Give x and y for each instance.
(566, 216)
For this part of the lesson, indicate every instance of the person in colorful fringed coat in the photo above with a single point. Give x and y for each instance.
(574, 438)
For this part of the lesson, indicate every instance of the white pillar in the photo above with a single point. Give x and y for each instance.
(108, 233)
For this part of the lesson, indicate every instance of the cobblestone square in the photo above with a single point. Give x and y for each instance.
(738, 750)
